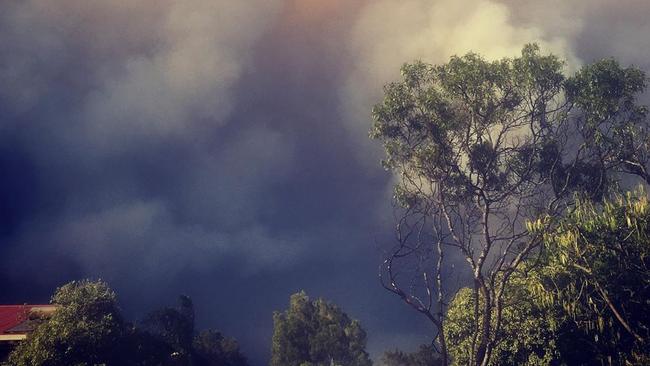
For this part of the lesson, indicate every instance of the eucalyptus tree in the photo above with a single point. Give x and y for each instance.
(488, 154)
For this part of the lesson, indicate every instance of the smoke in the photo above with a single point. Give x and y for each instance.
(184, 84)
(145, 70)
(99, 94)
(388, 33)
(174, 142)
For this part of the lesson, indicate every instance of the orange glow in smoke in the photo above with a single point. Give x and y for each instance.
(309, 11)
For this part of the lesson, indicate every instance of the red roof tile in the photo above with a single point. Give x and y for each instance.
(13, 315)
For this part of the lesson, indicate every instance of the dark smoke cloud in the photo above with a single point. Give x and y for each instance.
(120, 106)
(219, 148)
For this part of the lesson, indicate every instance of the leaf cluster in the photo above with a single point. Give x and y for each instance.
(597, 269)
(87, 329)
(317, 333)
(426, 355)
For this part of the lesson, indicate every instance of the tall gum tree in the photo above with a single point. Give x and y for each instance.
(489, 154)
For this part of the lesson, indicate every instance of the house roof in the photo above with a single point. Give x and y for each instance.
(15, 320)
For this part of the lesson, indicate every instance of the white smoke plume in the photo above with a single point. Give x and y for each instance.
(169, 139)
(389, 33)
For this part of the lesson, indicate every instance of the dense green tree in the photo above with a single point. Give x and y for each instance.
(529, 334)
(425, 356)
(174, 327)
(597, 270)
(585, 302)
(536, 331)
(317, 333)
(489, 155)
(611, 125)
(211, 348)
(86, 329)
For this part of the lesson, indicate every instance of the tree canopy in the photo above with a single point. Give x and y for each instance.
(88, 329)
(529, 335)
(490, 155)
(596, 268)
(585, 299)
(425, 356)
(317, 333)
(174, 327)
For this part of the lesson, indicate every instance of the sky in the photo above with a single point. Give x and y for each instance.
(220, 148)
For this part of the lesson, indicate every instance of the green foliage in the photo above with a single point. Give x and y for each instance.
(455, 122)
(451, 123)
(491, 154)
(86, 329)
(604, 89)
(317, 333)
(425, 356)
(595, 263)
(597, 270)
(211, 348)
(612, 124)
(174, 327)
(527, 337)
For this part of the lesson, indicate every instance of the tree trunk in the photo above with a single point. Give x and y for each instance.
(443, 348)
(483, 352)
